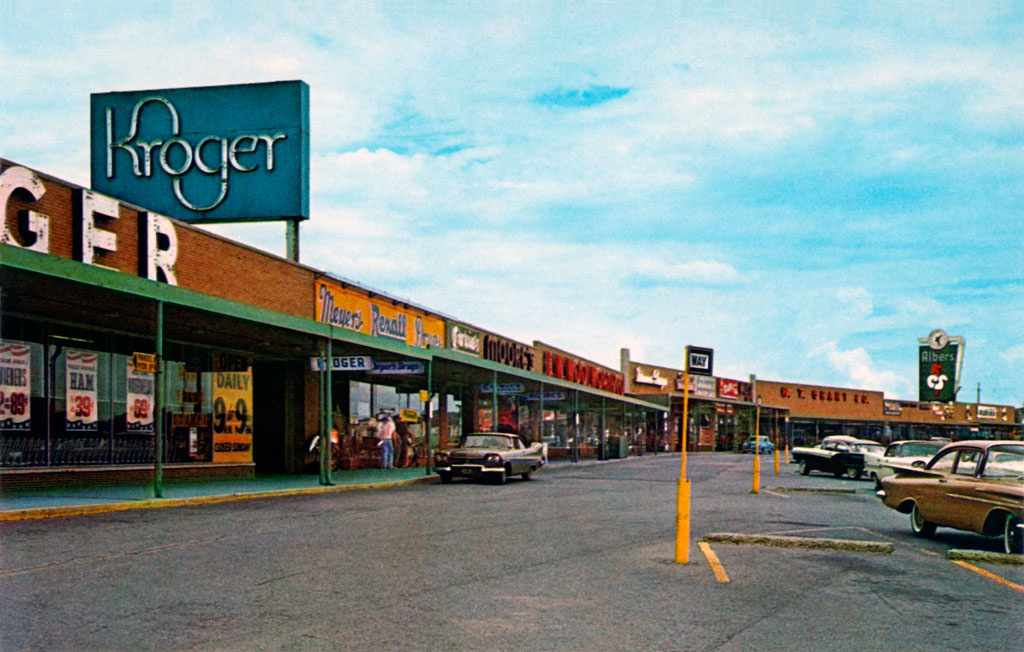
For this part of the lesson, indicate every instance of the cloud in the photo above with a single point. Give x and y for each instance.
(1013, 354)
(861, 372)
(649, 272)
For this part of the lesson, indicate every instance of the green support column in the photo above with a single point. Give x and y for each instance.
(158, 406)
(430, 394)
(329, 411)
(494, 403)
(603, 442)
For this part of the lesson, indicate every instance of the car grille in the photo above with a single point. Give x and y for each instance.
(463, 458)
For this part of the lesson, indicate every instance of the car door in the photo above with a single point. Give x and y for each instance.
(963, 499)
(950, 502)
(929, 491)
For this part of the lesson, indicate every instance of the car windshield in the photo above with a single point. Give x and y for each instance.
(486, 441)
(873, 449)
(1005, 462)
(918, 449)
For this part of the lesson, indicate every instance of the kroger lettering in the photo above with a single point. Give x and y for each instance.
(158, 246)
(210, 154)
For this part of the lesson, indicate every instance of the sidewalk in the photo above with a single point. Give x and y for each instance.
(75, 501)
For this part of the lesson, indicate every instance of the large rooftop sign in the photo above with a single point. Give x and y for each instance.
(207, 154)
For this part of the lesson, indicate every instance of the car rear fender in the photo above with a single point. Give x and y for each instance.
(906, 506)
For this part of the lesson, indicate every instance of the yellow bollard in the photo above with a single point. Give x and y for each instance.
(683, 522)
(787, 453)
(757, 474)
(776, 461)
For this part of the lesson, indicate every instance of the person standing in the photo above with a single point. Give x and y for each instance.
(387, 443)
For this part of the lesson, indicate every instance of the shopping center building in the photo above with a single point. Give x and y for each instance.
(97, 295)
(722, 412)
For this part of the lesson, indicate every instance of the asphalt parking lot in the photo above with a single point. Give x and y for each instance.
(579, 558)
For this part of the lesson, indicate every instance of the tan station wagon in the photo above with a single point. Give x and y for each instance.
(977, 486)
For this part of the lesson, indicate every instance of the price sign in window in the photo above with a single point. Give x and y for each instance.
(15, 384)
(82, 398)
(140, 390)
(232, 416)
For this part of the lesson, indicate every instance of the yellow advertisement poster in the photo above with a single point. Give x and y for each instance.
(232, 416)
(347, 309)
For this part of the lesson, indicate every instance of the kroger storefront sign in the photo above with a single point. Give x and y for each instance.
(207, 154)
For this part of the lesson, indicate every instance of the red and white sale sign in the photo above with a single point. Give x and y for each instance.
(140, 389)
(15, 384)
(82, 408)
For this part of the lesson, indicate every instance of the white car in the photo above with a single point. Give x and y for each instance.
(913, 453)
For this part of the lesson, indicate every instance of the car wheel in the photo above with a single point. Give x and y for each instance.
(853, 472)
(919, 526)
(1013, 538)
(526, 475)
(876, 480)
(499, 478)
(804, 469)
(446, 478)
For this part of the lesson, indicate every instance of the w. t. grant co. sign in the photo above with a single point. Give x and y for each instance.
(208, 154)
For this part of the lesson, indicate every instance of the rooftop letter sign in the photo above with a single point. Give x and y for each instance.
(207, 154)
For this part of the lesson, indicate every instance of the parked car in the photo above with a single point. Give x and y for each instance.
(491, 455)
(837, 454)
(977, 486)
(764, 445)
(914, 453)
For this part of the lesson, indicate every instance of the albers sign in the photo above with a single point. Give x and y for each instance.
(940, 357)
(208, 154)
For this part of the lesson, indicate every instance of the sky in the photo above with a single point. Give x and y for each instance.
(806, 189)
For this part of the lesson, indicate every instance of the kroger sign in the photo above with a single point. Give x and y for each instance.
(206, 154)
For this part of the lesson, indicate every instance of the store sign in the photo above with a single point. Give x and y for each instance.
(15, 386)
(81, 390)
(728, 388)
(140, 389)
(653, 378)
(700, 386)
(574, 370)
(700, 360)
(232, 416)
(406, 368)
(94, 243)
(549, 397)
(892, 408)
(144, 362)
(940, 357)
(988, 412)
(205, 154)
(339, 306)
(507, 352)
(465, 339)
(502, 388)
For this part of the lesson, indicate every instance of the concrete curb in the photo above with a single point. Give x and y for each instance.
(985, 557)
(843, 545)
(158, 503)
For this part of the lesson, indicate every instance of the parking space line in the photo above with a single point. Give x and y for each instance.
(716, 566)
(991, 576)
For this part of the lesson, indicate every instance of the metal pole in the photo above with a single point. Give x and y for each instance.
(292, 240)
(158, 406)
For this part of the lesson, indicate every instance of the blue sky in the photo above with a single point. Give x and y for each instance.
(806, 189)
